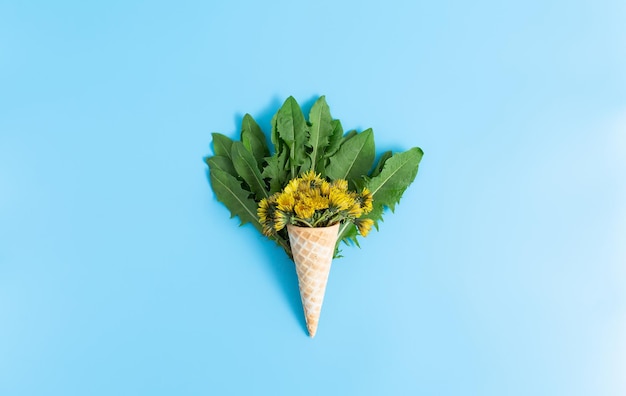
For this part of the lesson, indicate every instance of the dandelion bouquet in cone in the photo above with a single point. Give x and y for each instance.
(312, 208)
(315, 188)
(311, 201)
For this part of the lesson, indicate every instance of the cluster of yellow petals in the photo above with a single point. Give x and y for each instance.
(364, 226)
(313, 201)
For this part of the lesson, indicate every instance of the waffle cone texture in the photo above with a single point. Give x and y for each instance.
(312, 250)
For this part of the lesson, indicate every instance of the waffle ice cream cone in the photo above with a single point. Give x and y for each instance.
(312, 250)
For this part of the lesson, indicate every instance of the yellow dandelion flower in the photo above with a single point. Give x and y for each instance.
(292, 186)
(364, 226)
(304, 210)
(339, 199)
(304, 186)
(319, 203)
(355, 211)
(263, 210)
(280, 220)
(340, 184)
(366, 200)
(325, 188)
(310, 176)
(268, 230)
(285, 202)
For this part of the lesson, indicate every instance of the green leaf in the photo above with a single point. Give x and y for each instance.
(319, 132)
(348, 234)
(347, 136)
(228, 191)
(276, 171)
(335, 139)
(397, 174)
(276, 167)
(222, 163)
(246, 166)
(381, 162)
(354, 158)
(274, 132)
(253, 139)
(221, 144)
(291, 128)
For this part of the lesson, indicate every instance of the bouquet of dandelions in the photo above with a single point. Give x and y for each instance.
(317, 187)
(311, 201)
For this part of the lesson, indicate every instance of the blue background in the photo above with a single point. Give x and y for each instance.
(502, 271)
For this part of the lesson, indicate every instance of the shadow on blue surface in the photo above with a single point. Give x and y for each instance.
(281, 268)
(284, 272)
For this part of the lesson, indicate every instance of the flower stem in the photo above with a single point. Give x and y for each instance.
(306, 223)
(342, 229)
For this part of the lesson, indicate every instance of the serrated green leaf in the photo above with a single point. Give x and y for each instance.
(354, 158)
(253, 139)
(222, 163)
(381, 162)
(291, 128)
(320, 130)
(274, 131)
(246, 166)
(348, 234)
(221, 144)
(334, 142)
(276, 171)
(349, 135)
(228, 191)
(397, 174)
(305, 166)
